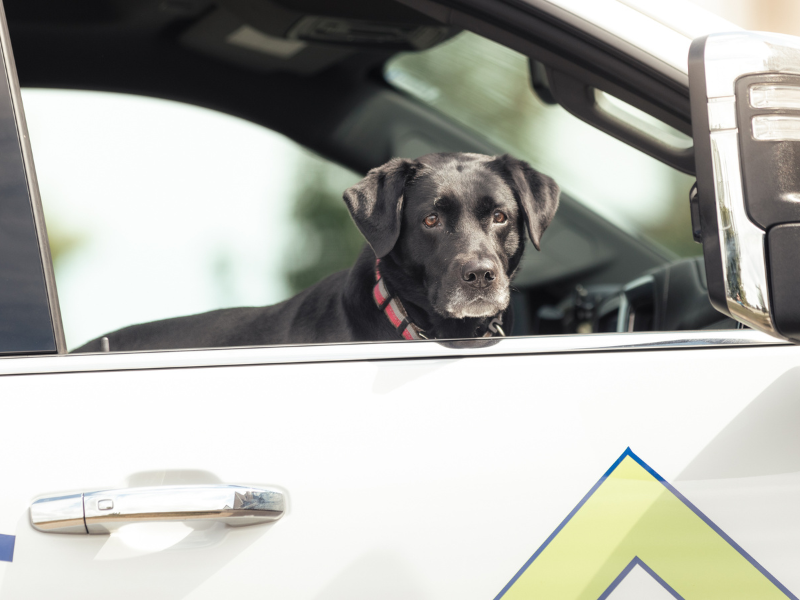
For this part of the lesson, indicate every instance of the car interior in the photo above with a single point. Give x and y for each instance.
(329, 74)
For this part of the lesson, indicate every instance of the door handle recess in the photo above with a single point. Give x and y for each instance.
(105, 511)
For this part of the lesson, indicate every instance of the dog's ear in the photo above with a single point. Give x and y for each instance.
(537, 194)
(376, 203)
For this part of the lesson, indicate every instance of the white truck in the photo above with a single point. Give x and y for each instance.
(646, 448)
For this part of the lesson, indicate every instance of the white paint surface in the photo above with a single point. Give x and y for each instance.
(427, 478)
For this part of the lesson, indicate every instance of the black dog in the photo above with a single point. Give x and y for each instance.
(445, 235)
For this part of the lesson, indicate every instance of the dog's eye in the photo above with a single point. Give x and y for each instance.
(499, 216)
(431, 220)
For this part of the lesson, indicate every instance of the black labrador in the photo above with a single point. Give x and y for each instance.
(445, 236)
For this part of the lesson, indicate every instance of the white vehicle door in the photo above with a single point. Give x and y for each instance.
(597, 466)
(429, 473)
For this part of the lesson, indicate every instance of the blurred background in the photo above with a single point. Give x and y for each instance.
(157, 209)
(778, 16)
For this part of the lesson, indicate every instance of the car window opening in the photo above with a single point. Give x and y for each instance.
(249, 240)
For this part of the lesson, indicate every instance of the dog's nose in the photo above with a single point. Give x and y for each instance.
(478, 273)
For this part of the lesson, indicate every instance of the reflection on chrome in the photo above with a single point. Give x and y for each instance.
(59, 514)
(728, 56)
(722, 113)
(109, 510)
(742, 242)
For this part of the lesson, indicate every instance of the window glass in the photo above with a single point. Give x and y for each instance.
(487, 87)
(158, 209)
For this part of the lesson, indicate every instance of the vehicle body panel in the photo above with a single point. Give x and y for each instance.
(437, 477)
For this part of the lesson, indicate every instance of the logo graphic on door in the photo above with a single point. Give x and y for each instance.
(633, 522)
(7, 547)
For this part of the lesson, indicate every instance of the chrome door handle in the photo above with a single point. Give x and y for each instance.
(106, 511)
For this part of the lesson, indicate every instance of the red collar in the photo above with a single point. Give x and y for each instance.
(398, 317)
(393, 309)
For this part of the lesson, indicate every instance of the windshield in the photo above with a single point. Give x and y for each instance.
(487, 87)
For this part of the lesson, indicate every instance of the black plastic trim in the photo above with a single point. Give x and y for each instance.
(25, 312)
(704, 169)
(783, 258)
(770, 170)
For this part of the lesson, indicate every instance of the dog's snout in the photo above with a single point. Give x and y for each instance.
(479, 273)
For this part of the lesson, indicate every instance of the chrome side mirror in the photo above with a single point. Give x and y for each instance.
(745, 100)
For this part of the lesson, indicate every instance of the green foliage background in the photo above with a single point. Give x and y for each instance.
(329, 241)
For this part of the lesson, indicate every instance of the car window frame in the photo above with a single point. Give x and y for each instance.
(400, 350)
(329, 352)
(40, 291)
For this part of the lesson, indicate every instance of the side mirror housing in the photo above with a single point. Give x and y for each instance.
(745, 101)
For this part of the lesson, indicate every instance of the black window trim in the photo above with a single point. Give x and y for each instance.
(46, 275)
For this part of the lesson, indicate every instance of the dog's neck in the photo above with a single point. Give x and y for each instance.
(410, 290)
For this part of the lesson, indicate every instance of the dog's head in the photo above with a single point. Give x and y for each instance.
(456, 223)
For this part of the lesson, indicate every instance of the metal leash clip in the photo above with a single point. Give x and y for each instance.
(495, 327)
